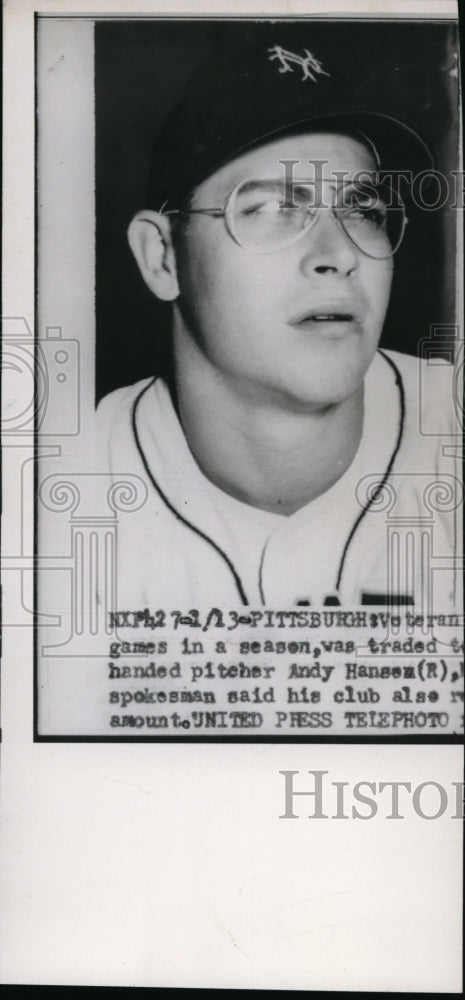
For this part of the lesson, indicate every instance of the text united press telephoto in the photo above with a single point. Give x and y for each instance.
(264, 539)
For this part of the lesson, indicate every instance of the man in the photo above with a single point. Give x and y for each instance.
(283, 457)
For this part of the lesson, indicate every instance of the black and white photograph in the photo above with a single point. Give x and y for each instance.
(284, 419)
(259, 484)
(232, 489)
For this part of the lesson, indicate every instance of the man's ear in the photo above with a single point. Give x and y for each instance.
(149, 236)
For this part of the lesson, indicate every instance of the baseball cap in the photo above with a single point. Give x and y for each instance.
(263, 91)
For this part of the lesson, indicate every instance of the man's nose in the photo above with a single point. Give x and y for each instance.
(327, 249)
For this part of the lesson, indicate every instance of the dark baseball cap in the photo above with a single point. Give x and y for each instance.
(260, 93)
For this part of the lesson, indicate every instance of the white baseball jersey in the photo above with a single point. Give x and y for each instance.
(385, 533)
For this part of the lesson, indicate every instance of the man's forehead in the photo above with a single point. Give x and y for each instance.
(312, 156)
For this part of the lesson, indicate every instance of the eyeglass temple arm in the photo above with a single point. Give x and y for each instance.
(218, 212)
(194, 211)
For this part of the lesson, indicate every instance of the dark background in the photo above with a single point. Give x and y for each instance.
(140, 70)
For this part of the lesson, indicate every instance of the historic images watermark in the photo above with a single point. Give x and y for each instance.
(427, 190)
(319, 797)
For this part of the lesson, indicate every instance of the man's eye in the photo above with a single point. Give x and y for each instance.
(376, 214)
(271, 206)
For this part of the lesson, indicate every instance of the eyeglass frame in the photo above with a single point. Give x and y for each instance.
(227, 213)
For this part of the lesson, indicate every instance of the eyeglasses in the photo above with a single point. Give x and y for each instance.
(265, 216)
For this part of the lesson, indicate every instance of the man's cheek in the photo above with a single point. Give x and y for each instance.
(387, 282)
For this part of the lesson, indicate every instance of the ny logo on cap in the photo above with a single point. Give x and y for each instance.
(307, 62)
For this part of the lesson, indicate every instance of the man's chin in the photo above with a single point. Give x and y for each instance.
(322, 389)
(310, 396)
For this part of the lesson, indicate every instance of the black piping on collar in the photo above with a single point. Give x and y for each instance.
(356, 524)
(177, 515)
(379, 488)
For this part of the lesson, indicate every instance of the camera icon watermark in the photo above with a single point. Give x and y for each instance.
(41, 381)
(443, 348)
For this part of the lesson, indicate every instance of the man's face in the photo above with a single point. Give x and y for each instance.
(259, 319)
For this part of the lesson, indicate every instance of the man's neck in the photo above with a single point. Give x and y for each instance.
(259, 449)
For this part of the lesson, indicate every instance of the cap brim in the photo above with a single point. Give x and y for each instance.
(399, 147)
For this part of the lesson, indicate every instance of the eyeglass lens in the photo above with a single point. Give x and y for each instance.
(268, 215)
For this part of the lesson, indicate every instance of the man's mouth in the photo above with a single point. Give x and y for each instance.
(330, 312)
(329, 317)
